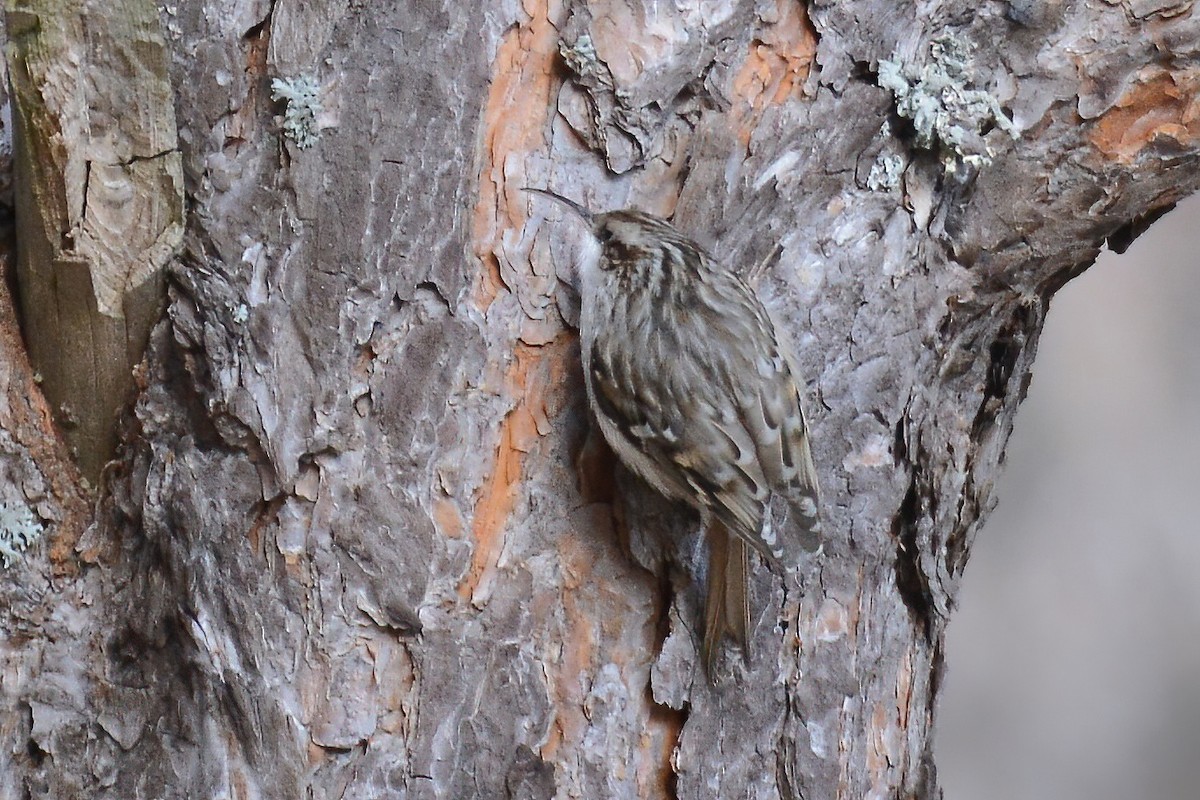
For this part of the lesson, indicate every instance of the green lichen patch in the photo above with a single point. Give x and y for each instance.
(19, 528)
(949, 114)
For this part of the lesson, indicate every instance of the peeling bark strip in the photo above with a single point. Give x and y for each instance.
(349, 558)
(99, 199)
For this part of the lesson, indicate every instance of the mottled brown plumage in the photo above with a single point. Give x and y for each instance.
(693, 387)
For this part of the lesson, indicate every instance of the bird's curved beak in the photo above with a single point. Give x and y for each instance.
(584, 214)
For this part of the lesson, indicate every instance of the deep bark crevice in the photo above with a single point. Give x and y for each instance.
(911, 580)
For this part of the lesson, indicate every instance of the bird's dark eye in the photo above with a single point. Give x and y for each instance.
(604, 235)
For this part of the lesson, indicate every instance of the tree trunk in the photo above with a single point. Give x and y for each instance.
(350, 549)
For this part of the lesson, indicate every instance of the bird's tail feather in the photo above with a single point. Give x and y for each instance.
(727, 607)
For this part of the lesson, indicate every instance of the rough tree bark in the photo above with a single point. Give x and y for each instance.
(347, 552)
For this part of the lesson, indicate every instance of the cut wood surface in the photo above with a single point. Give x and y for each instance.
(99, 202)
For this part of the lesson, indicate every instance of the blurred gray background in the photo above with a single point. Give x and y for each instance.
(1074, 655)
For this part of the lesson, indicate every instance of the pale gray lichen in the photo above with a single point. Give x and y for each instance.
(885, 173)
(947, 113)
(19, 528)
(581, 58)
(579, 55)
(303, 106)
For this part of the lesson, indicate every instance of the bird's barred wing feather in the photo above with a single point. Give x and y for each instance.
(727, 431)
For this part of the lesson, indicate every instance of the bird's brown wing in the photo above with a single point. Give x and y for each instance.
(708, 402)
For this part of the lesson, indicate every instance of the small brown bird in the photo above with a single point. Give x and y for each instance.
(694, 389)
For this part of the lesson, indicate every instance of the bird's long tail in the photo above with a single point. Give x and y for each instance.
(727, 608)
